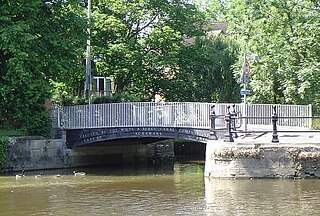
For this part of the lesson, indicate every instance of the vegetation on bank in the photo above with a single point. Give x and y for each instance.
(11, 132)
(4, 143)
(316, 124)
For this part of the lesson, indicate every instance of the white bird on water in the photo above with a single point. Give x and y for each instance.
(58, 176)
(76, 173)
(19, 176)
(38, 176)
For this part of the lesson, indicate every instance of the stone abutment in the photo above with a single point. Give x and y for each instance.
(248, 160)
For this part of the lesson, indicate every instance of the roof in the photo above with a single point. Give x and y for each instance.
(212, 29)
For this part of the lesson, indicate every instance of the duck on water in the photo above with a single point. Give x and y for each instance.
(76, 173)
(21, 175)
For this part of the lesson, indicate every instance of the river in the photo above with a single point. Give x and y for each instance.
(182, 190)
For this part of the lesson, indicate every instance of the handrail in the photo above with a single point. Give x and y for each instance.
(231, 129)
(174, 114)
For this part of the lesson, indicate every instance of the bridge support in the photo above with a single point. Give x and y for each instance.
(264, 160)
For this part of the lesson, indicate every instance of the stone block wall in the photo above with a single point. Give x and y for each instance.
(37, 153)
(232, 160)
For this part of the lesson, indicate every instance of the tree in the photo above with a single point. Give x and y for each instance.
(205, 72)
(137, 42)
(284, 35)
(39, 42)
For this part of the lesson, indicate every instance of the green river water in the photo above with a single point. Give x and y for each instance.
(182, 190)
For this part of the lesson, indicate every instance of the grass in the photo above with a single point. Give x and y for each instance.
(4, 132)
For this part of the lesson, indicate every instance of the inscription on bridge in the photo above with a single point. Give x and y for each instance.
(86, 136)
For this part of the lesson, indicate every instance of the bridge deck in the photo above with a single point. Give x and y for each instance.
(262, 134)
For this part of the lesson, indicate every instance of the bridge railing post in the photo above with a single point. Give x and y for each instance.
(228, 136)
(233, 120)
(213, 116)
(274, 124)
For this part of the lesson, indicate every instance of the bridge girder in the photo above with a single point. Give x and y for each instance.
(84, 137)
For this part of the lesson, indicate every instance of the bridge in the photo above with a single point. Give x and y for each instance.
(149, 122)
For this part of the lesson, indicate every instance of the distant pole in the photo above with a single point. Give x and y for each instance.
(88, 61)
(245, 101)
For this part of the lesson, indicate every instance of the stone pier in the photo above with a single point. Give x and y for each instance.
(295, 156)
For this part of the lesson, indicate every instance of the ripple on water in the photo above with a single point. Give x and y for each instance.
(184, 192)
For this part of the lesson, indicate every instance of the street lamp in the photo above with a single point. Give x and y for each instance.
(88, 61)
(245, 80)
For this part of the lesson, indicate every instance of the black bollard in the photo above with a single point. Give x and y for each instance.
(213, 116)
(233, 121)
(274, 123)
(228, 136)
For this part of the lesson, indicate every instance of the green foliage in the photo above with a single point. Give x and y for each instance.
(116, 98)
(37, 123)
(316, 124)
(284, 35)
(61, 93)
(205, 72)
(137, 41)
(11, 132)
(39, 42)
(4, 143)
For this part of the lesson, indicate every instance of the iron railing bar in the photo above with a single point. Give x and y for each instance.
(282, 117)
(279, 131)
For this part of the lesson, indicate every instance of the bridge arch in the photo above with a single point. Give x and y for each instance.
(85, 137)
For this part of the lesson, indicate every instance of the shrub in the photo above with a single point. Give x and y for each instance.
(316, 124)
(4, 143)
(116, 98)
(38, 123)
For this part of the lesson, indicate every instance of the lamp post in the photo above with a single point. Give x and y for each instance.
(88, 61)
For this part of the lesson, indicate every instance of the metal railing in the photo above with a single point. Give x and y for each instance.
(289, 115)
(195, 115)
(231, 129)
(174, 114)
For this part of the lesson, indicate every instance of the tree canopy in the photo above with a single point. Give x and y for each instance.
(137, 42)
(39, 41)
(284, 34)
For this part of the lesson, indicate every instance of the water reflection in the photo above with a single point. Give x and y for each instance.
(262, 197)
(179, 191)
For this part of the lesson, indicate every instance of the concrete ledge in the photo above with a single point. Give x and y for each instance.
(265, 160)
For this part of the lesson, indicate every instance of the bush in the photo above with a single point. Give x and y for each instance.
(316, 124)
(4, 143)
(116, 98)
(105, 99)
(38, 124)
